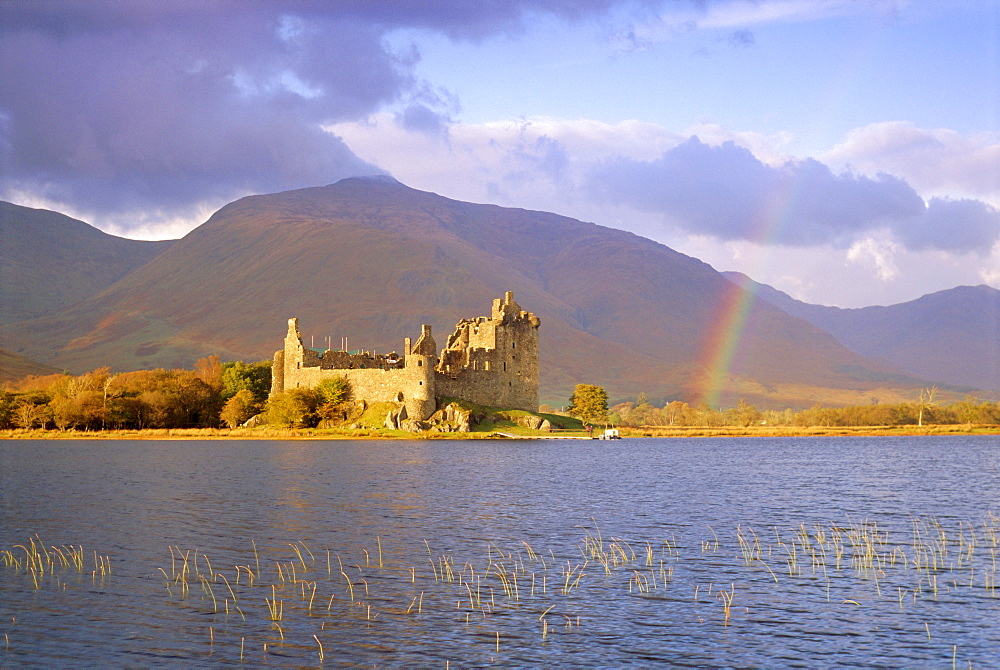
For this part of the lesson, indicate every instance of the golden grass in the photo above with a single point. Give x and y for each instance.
(267, 433)
(809, 431)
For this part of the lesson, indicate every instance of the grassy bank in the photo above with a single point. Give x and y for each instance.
(809, 431)
(266, 433)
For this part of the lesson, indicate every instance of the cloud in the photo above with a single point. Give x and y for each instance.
(735, 17)
(730, 186)
(736, 13)
(953, 225)
(125, 110)
(145, 115)
(423, 119)
(741, 39)
(938, 162)
(726, 192)
(549, 164)
(878, 252)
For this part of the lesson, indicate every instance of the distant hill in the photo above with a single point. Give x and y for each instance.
(371, 259)
(49, 261)
(14, 367)
(951, 336)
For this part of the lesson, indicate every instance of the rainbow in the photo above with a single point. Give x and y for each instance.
(723, 341)
(735, 306)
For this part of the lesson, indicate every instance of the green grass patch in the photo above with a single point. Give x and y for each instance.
(374, 415)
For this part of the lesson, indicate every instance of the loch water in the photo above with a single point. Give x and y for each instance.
(757, 552)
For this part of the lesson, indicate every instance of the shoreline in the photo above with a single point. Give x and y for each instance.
(639, 432)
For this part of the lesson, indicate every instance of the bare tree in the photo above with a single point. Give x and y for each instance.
(927, 400)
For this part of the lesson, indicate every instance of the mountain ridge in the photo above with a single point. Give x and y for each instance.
(914, 335)
(374, 259)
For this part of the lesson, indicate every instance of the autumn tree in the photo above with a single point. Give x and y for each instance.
(589, 403)
(209, 370)
(293, 408)
(239, 409)
(744, 414)
(82, 402)
(31, 410)
(166, 399)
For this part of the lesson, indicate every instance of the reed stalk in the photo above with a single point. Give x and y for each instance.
(321, 656)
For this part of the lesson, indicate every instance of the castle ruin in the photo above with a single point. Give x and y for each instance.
(491, 361)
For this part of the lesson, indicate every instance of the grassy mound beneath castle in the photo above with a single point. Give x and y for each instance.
(483, 419)
(455, 418)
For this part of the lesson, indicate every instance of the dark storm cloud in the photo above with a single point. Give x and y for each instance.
(120, 107)
(726, 192)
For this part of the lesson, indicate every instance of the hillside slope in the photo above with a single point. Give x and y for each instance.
(13, 367)
(49, 261)
(951, 336)
(371, 259)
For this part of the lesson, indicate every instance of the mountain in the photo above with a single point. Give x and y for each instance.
(951, 336)
(14, 367)
(49, 261)
(371, 259)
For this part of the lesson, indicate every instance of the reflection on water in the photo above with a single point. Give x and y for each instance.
(767, 552)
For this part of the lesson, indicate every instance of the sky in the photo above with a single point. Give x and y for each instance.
(846, 152)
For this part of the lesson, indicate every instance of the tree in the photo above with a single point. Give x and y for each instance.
(744, 414)
(166, 399)
(81, 402)
(927, 400)
(209, 370)
(238, 409)
(254, 377)
(333, 392)
(27, 414)
(8, 401)
(677, 412)
(589, 403)
(295, 408)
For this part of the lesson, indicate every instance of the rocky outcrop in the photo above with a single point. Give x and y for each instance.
(255, 421)
(394, 420)
(452, 419)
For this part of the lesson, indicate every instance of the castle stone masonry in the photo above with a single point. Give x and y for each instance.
(490, 361)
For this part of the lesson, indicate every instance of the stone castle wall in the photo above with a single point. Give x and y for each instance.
(493, 360)
(490, 361)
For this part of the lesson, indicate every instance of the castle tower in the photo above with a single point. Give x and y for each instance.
(419, 362)
(493, 360)
(289, 357)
